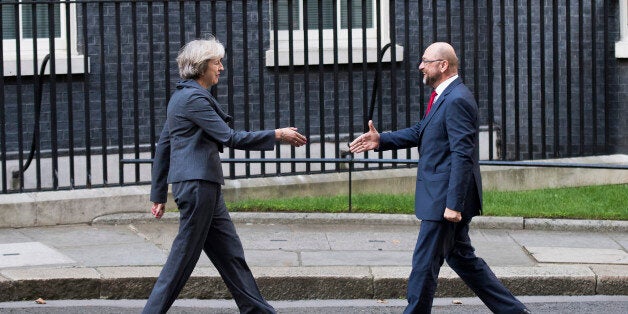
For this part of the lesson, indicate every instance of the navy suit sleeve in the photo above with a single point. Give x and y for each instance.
(461, 124)
(404, 138)
(205, 117)
(161, 166)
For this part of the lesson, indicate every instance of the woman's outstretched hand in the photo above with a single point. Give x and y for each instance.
(290, 136)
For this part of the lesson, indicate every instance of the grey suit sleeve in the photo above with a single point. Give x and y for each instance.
(205, 117)
(161, 166)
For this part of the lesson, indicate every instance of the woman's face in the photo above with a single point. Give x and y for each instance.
(212, 73)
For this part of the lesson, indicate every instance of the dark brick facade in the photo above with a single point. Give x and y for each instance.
(120, 84)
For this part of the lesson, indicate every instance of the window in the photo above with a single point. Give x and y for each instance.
(25, 26)
(621, 47)
(362, 12)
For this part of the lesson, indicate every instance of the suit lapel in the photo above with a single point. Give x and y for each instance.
(214, 103)
(436, 105)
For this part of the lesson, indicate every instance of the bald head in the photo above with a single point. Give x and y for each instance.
(439, 63)
(445, 51)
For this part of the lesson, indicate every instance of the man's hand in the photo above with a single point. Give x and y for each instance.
(158, 210)
(366, 141)
(452, 215)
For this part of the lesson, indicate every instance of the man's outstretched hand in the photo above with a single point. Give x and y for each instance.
(366, 141)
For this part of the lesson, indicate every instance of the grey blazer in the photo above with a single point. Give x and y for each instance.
(193, 136)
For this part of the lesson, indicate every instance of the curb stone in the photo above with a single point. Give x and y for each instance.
(480, 222)
(297, 283)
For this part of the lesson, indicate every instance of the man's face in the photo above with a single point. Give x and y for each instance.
(430, 67)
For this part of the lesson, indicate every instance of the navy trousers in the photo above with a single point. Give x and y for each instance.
(440, 240)
(205, 225)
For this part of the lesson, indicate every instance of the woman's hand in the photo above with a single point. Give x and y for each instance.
(290, 136)
(158, 210)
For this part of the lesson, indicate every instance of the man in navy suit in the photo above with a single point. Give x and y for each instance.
(187, 155)
(448, 187)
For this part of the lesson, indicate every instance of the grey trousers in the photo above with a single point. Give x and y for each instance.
(205, 225)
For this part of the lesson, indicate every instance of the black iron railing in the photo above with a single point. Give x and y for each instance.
(542, 74)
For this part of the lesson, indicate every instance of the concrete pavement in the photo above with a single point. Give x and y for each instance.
(309, 256)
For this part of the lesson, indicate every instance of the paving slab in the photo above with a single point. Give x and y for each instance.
(82, 235)
(372, 238)
(11, 235)
(275, 237)
(24, 254)
(578, 255)
(621, 239)
(278, 258)
(502, 235)
(543, 238)
(161, 234)
(304, 271)
(581, 271)
(117, 254)
(503, 254)
(497, 247)
(356, 258)
(46, 273)
(129, 271)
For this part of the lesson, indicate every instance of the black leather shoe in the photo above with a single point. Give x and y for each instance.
(525, 311)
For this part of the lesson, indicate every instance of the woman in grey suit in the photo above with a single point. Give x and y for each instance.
(187, 156)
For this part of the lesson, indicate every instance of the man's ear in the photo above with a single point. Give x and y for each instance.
(444, 66)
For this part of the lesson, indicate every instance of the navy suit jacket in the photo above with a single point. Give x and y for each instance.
(193, 136)
(448, 173)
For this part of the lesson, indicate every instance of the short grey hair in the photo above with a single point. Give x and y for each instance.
(193, 57)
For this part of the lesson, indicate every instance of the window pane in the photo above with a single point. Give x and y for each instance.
(8, 21)
(41, 11)
(327, 6)
(282, 15)
(356, 13)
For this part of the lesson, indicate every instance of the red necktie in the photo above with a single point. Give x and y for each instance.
(429, 104)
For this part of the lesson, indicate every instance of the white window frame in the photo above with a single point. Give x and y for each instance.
(298, 47)
(27, 68)
(621, 47)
